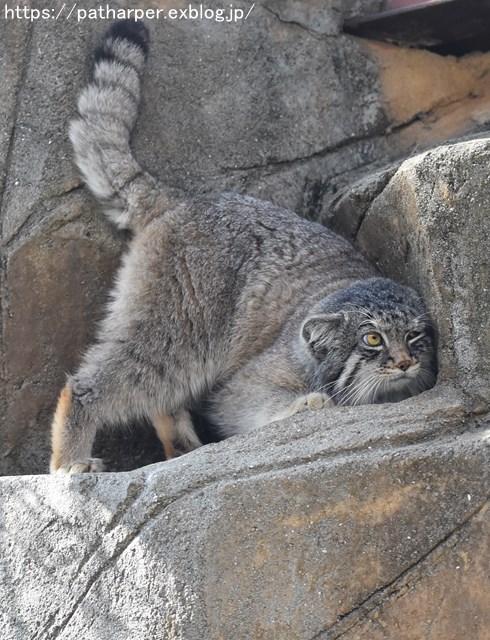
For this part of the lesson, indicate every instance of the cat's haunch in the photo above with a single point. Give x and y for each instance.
(221, 298)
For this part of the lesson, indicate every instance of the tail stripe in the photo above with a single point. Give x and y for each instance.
(101, 103)
(134, 32)
(121, 50)
(129, 81)
(108, 108)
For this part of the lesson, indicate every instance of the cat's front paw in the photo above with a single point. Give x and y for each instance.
(318, 401)
(311, 401)
(88, 465)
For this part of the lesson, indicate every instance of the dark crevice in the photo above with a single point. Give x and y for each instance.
(366, 211)
(316, 154)
(79, 186)
(362, 218)
(314, 34)
(321, 153)
(18, 232)
(15, 111)
(422, 115)
(39, 215)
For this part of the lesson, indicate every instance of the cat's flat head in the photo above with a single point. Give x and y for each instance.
(372, 342)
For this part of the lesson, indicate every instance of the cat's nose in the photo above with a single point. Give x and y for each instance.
(404, 364)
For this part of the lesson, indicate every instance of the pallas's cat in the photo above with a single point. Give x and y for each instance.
(222, 297)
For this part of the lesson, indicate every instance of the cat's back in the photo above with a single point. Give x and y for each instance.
(238, 265)
(227, 241)
(230, 225)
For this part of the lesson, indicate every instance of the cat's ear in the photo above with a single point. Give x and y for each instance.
(320, 332)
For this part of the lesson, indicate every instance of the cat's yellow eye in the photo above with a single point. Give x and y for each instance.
(372, 339)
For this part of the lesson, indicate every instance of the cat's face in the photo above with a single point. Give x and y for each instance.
(373, 353)
(392, 359)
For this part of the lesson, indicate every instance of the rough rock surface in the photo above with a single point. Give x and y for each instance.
(356, 523)
(426, 224)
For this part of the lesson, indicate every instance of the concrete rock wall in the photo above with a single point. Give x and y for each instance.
(371, 525)
(368, 522)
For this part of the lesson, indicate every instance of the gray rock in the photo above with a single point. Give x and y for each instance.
(305, 530)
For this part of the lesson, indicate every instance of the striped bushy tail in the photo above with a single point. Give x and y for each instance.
(108, 108)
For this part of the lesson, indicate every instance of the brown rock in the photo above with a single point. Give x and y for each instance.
(430, 98)
(56, 283)
(445, 596)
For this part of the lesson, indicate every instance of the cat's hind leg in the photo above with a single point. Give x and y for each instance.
(176, 433)
(166, 431)
(71, 447)
(110, 388)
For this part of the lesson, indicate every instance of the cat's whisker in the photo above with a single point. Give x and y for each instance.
(359, 393)
(357, 389)
(351, 398)
(380, 385)
(346, 391)
(325, 387)
(338, 391)
(370, 392)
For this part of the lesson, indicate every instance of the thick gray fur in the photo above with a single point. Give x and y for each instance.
(225, 297)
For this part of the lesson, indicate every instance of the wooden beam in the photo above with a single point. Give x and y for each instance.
(445, 26)
(389, 5)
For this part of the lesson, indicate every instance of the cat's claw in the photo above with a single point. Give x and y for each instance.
(88, 465)
(318, 401)
(309, 402)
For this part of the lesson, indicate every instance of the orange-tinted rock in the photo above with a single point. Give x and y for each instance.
(445, 596)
